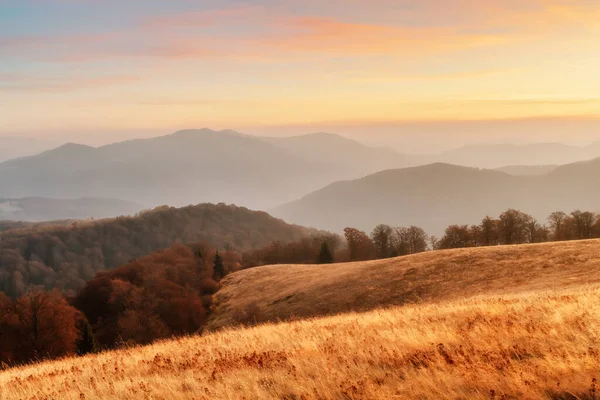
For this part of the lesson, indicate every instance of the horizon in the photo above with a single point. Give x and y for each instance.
(92, 141)
(282, 68)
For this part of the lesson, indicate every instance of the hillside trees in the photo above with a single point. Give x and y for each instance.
(36, 326)
(489, 231)
(557, 224)
(409, 240)
(583, 222)
(65, 257)
(382, 240)
(360, 246)
(218, 267)
(455, 237)
(167, 293)
(513, 226)
(325, 254)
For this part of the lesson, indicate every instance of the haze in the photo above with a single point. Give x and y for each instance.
(399, 73)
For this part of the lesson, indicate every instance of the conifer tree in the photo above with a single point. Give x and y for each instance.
(325, 256)
(218, 268)
(87, 341)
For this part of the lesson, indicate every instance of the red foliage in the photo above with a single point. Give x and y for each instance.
(38, 325)
(165, 294)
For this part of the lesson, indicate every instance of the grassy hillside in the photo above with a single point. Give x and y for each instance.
(517, 347)
(292, 291)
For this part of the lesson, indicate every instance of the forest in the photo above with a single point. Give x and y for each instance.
(66, 257)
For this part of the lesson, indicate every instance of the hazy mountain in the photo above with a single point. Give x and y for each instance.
(48, 209)
(15, 147)
(527, 170)
(500, 155)
(437, 195)
(343, 155)
(195, 166)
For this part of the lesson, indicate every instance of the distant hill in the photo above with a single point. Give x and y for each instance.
(9, 226)
(437, 195)
(527, 170)
(342, 156)
(15, 147)
(499, 155)
(194, 166)
(66, 257)
(47, 209)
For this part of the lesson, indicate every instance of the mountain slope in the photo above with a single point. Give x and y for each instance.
(437, 195)
(66, 257)
(347, 157)
(534, 345)
(45, 209)
(183, 168)
(190, 166)
(527, 170)
(499, 155)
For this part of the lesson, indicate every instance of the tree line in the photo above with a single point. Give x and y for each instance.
(384, 241)
(516, 227)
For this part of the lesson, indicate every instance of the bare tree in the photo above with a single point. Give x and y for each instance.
(583, 221)
(382, 240)
(513, 225)
(489, 231)
(557, 220)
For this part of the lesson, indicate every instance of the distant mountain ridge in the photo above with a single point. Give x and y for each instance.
(500, 155)
(36, 209)
(527, 170)
(193, 166)
(202, 165)
(437, 195)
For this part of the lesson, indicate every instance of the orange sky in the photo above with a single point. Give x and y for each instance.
(133, 65)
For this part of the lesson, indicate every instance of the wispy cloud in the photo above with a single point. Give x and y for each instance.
(53, 84)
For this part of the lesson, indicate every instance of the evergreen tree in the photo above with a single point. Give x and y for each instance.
(218, 268)
(87, 341)
(325, 256)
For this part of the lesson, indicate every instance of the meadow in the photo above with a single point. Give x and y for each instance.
(536, 343)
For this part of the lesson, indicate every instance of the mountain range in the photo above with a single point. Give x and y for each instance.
(437, 195)
(194, 166)
(203, 165)
(494, 156)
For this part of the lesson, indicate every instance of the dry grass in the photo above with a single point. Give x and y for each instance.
(544, 343)
(519, 347)
(300, 291)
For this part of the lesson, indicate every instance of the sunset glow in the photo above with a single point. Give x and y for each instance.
(76, 65)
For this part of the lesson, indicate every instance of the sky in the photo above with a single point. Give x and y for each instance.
(380, 70)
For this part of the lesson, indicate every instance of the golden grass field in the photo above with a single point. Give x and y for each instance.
(301, 291)
(539, 339)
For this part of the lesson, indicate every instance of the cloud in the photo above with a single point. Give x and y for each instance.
(53, 84)
(278, 31)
